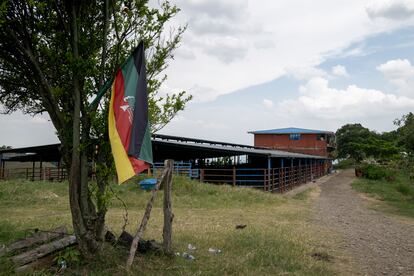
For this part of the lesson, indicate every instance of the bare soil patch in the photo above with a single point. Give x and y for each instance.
(380, 244)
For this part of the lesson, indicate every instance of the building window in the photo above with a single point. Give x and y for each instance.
(294, 136)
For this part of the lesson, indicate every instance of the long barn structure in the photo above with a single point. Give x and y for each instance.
(208, 161)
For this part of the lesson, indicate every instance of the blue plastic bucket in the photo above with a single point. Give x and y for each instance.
(148, 184)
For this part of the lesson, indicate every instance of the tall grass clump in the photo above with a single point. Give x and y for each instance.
(397, 195)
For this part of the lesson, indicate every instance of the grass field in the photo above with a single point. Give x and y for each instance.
(278, 240)
(397, 196)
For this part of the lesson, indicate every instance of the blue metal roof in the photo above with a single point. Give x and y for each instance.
(290, 130)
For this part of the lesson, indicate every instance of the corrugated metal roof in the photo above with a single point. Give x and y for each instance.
(290, 130)
(198, 148)
(242, 150)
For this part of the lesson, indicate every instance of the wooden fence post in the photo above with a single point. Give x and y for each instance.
(41, 171)
(168, 214)
(294, 176)
(304, 174)
(33, 171)
(234, 176)
(201, 175)
(272, 177)
(146, 217)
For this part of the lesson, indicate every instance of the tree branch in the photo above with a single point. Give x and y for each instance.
(46, 93)
(104, 42)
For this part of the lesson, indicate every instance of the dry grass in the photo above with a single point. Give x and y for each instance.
(278, 239)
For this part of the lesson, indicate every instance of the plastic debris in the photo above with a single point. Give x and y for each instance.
(188, 256)
(191, 247)
(62, 264)
(214, 250)
(177, 254)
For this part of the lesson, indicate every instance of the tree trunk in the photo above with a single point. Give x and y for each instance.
(102, 177)
(83, 211)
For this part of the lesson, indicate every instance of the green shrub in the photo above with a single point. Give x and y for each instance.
(345, 164)
(375, 172)
(403, 188)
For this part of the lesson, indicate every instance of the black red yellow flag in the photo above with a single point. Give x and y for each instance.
(129, 129)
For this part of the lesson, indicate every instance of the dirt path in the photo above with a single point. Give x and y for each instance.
(380, 244)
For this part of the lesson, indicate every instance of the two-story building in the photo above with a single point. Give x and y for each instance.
(300, 140)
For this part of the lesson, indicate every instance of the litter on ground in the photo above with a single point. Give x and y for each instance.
(214, 250)
(188, 256)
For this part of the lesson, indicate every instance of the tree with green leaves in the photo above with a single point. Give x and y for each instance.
(349, 139)
(357, 142)
(405, 132)
(379, 148)
(56, 55)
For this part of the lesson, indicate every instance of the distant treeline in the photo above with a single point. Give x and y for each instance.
(357, 142)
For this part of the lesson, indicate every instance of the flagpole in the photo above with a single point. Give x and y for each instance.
(107, 85)
(102, 92)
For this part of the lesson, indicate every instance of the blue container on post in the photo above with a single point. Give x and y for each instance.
(148, 184)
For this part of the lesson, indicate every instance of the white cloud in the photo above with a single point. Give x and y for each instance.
(340, 71)
(391, 9)
(267, 103)
(217, 28)
(319, 101)
(264, 44)
(305, 73)
(199, 123)
(24, 130)
(400, 72)
(38, 120)
(226, 49)
(202, 93)
(232, 9)
(355, 51)
(185, 53)
(397, 69)
(233, 44)
(319, 106)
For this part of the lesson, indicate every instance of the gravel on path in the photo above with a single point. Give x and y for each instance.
(380, 244)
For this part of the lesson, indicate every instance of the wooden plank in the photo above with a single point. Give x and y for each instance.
(43, 250)
(45, 262)
(37, 238)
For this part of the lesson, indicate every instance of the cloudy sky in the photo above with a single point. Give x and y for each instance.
(254, 65)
